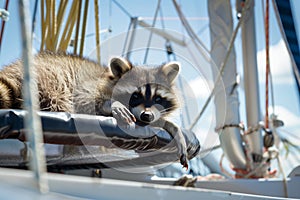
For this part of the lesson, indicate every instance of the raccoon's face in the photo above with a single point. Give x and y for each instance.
(151, 102)
(148, 92)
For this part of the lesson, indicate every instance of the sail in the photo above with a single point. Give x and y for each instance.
(288, 27)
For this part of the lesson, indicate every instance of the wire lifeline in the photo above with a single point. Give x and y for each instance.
(32, 121)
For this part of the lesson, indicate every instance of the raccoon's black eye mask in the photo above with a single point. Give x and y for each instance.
(145, 97)
(136, 99)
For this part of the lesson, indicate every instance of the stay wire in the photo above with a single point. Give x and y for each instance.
(34, 16)
(151, 32)
(122, 8)
(3, 24)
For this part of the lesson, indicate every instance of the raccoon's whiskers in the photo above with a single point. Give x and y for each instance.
(168, 110)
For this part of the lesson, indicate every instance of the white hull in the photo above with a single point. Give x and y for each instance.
(18, 184)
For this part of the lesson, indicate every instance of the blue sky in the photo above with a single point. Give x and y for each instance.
(286, 99)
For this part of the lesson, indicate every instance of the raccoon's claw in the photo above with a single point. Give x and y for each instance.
(122, 114)
(184, 162)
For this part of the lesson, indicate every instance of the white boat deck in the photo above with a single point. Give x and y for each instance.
(17, 184)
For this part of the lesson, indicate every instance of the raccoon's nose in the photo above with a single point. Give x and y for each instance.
(147, 116)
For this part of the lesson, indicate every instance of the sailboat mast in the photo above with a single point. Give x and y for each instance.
(251, 81)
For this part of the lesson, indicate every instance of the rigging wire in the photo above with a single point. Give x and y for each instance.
(109, 17)
(34, 17)
(151, 32)
(198, 44)
(127, 37)
(223, 64)
(122, 8)
(162, 19)
(3, 24)
(170, 52)
(189, 29)
(267, 64)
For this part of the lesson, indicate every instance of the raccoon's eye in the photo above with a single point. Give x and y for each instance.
(135, 95)
(157, 99)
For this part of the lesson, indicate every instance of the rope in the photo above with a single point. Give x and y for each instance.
(223, 64)
(86, 7)
(223, 170)
(53, 27)
(239, 126)
(59, 20)
(97, 29)
(285, 188)
(3, 23)
(270, 73)
(267, 64)
(43, 25)
(67, 33)
(151, 32)
(77, 28)
(48, 25)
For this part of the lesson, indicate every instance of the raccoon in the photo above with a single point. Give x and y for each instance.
(131, 94)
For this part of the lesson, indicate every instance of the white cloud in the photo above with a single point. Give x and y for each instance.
(201, 88)
(280, 64)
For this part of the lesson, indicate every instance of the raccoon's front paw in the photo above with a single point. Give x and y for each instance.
(184, 161)
(122, 114)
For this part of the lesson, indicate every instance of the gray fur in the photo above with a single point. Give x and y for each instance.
(68, 83)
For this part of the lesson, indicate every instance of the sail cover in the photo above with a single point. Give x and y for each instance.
(221, 28)
(76, 141)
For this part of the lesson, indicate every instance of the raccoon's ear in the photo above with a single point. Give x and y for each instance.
(119, 66)
(171, 70)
